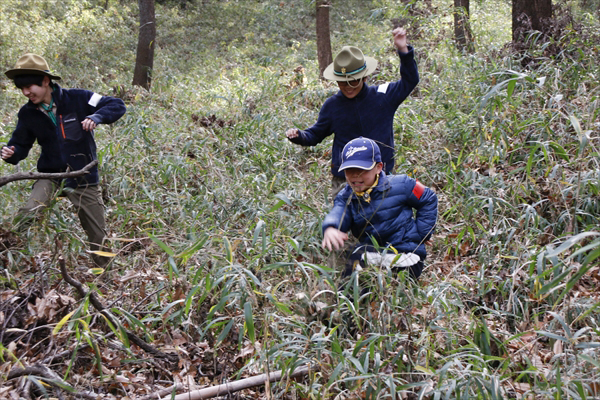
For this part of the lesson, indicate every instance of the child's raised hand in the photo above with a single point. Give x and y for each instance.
(400, 40)
(333, 238)
(7, 152)
(291, 133)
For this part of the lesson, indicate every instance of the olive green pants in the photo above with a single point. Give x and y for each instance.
(86, 200)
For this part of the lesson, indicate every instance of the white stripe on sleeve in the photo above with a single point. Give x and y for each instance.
(383, 88)
(94, 100)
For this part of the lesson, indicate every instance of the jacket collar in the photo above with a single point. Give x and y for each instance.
(56, 93)
(361, 95)
(382, 186)
(363, 92)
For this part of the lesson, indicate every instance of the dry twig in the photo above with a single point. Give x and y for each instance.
(19, 176)
(51, 378)
(171, 357)
(163, 392)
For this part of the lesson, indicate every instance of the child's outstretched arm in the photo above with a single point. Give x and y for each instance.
(20, 143)
(337, 223)
(101, 109)
(292, 133)
(398, 91)
(316, 133)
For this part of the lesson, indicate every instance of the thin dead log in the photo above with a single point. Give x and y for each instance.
(163, 392)
(51, 378)
(171, 357)
(19, 176)
(242, 384)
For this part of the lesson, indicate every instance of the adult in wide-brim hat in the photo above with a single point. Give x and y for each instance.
(350, 64)
(31, 64)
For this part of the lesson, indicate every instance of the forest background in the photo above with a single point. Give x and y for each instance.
(215, 217)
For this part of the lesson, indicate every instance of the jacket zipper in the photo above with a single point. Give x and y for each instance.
(62, 128)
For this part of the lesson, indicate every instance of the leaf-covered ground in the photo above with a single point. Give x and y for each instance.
(215, 217)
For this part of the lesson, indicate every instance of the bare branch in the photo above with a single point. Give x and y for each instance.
(19, 176)
(51, 378)
(163, 392)
(171, 357)
(232, 387)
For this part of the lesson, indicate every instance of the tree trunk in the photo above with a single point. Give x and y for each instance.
(323, 38)
(529, 15)
(142, 76)
(462, 26)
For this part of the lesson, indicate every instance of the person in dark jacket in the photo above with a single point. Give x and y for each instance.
(62, 121)
(378, 208)
(359, 109)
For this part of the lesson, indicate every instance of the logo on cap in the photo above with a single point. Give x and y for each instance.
(352, 150)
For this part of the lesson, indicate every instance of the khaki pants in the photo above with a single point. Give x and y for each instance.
(88, 203)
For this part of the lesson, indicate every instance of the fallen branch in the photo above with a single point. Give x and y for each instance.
(163, 392)
(171, 357)
(19, 176)
(51, 378)
(227, 388)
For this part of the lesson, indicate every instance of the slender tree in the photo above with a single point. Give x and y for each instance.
(323, 35)
(530, 15)
(142, 76)
(462, 27)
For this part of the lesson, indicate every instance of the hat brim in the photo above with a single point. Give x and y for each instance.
(371, 67)
(366, 165)
(11, 73)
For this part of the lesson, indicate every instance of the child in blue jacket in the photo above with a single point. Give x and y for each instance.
(379, 208)
(62, 121)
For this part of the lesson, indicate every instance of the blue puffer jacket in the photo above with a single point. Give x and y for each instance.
(388, 218)
(65, 145)
(369, 114)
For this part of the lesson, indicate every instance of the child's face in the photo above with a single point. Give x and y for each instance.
(361, 179)
(351, 89)
(38, 94)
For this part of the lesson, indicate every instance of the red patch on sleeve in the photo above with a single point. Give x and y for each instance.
(418, 190)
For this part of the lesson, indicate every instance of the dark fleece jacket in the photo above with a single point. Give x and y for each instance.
(370, 114)
(66, 145)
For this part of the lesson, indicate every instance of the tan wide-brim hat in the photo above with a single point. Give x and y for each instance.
(31, 64)
(350, 64)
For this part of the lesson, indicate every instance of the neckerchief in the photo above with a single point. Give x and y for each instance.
(366, 195)
(48, 109)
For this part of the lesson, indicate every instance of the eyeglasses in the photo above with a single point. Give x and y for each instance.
(353, 83)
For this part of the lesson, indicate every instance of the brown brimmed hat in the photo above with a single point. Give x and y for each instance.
(350, 64)
(31, 64)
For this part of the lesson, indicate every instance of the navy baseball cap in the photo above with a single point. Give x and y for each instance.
(360, 153)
